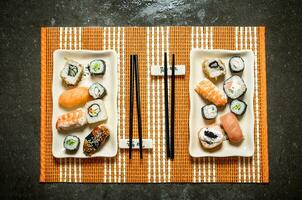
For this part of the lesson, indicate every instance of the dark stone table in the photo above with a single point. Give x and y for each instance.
(20, 91)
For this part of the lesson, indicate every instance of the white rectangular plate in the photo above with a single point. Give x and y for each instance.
(109, 80)
(246, 148)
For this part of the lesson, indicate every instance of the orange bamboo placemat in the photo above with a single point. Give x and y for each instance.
(150, 43)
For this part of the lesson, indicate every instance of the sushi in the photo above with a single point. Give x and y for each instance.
(211, 137)
(71, 120)
(74, 97)
(234, 87)
(209, 111)
(72, 72)
(238, 107)
(95, 111)
(71, 143)
(209, 91)
(97, 90)
(97, 67)
(95, 139)
(213, 68)
(231, 126)
(236, 64)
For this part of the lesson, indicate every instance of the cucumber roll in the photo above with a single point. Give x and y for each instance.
(97, 67)
(238, 107)
(95, 111)
(97, 90)
(71, 143)
(209, 111)
(236, 64)
(234, 87)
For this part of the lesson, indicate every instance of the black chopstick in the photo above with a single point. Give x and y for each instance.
(131, 105)
(138, 107)
(172, 106)
(166, 105)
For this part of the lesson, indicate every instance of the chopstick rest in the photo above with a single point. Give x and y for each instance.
(158, 70)
(125, 144)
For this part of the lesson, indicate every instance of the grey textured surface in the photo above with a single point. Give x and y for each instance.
(20, 91)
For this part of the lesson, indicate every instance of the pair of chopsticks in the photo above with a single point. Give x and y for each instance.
(169, 135)
(134, 73)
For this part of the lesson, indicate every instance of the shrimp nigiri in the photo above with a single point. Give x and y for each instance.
(71, 120)
(209, 91)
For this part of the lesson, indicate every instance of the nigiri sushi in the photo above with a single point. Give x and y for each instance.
(231, 126)
(213, 68)
(72, 72)
(95, 139)
(71, 120)
(209, 91)
(74, 97)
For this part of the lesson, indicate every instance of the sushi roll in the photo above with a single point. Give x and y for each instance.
(97, 67)
(211, 137)
(72, 72)
(234, 87)
(209, 111)
(71, 120)
(97, 90)
(95, 111)
(95, 139)
(238, 107)
(71, 143)
(213, 68)
(236, 64)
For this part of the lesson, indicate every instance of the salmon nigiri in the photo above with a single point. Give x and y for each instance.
(231, 126)
(209, 91)
(71, 120)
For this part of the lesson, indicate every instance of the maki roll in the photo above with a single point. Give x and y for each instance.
(238, 107)
(236, 64)
(97, 90)
(211, 137)
(72, 72)
(234, 87)
(213, 68)
(97, 67)
(95, 111)
(95, 139)
(71, 143)
(209, 111)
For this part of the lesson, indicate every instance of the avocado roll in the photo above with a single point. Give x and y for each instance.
(236, 64)
(97, 67)
(72, 72)
(97, 90)
(71, 143)
(234, 87)
(95, 111)
(238, 107)
(209, 111)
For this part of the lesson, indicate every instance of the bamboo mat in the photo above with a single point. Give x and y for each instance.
(149, 43)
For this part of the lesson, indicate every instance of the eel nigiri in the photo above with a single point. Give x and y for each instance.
(95, 139)
(231, 126)
(209, 91)
(71, 120)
